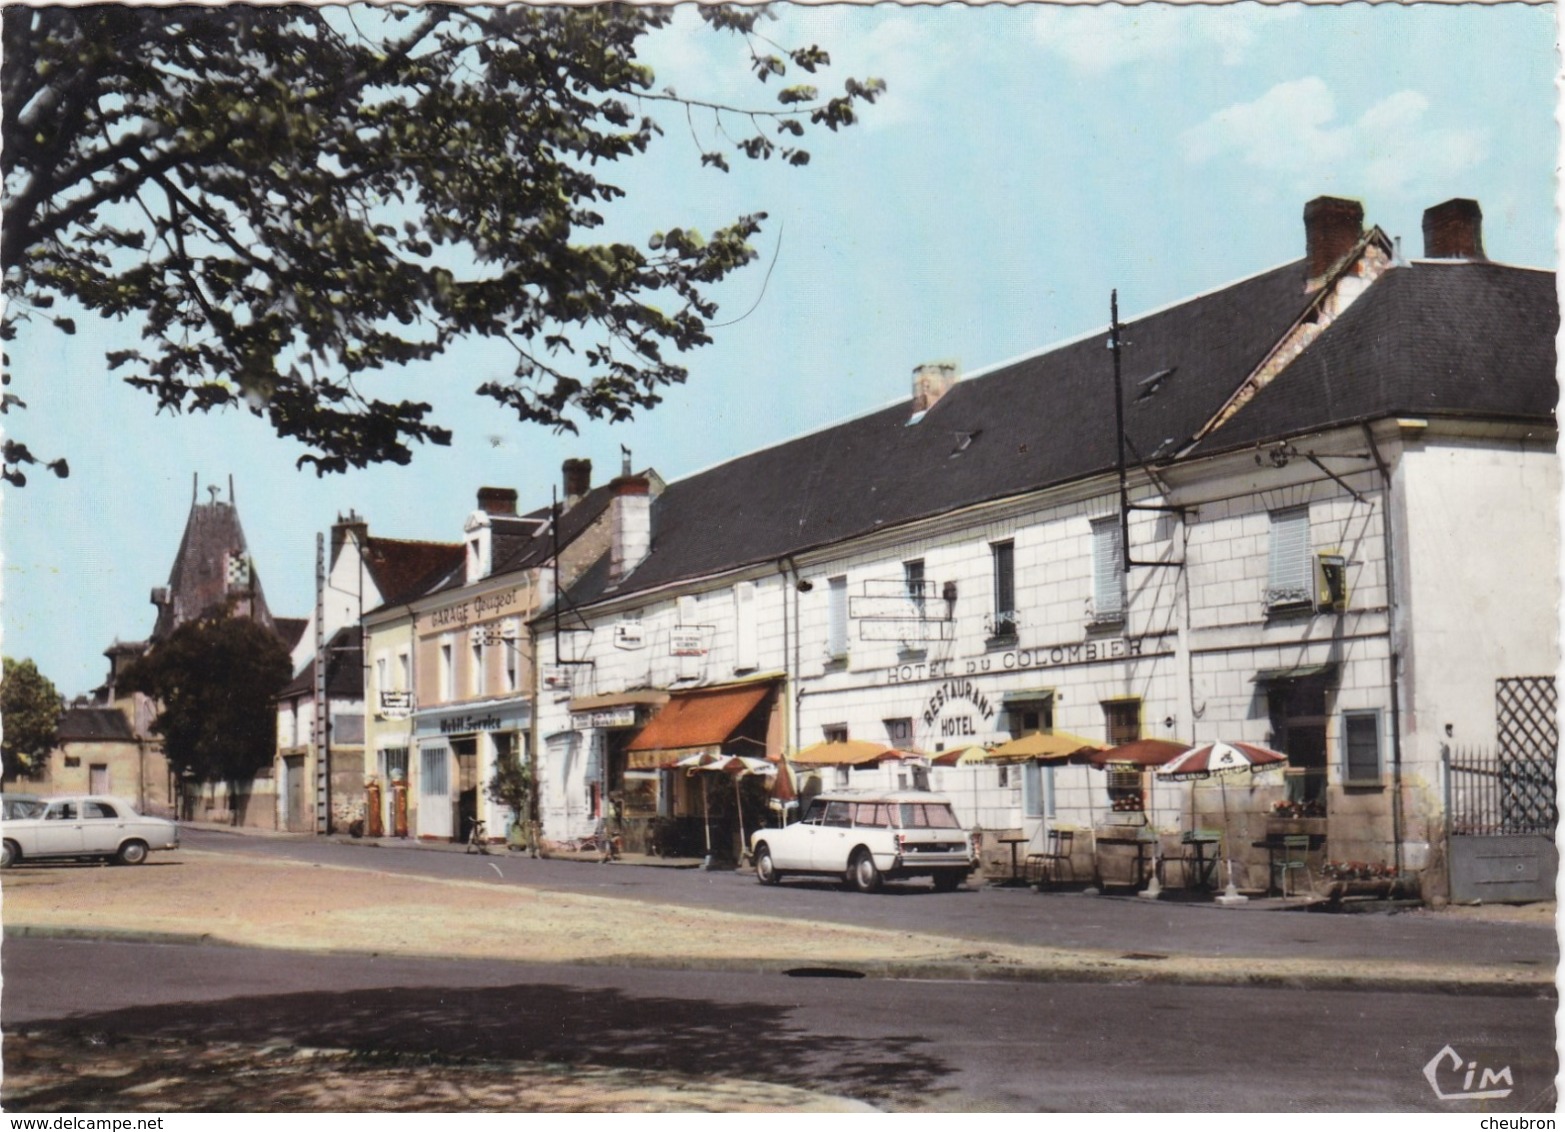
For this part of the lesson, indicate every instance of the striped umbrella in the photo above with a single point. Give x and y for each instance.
(1220, 760)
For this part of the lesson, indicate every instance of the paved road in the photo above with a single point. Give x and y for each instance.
(894, 1044)
(980, 912)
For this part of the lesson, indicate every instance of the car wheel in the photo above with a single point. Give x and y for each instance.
(132, 853)
(765, 870)
(9, 854)
(948, 881)
(864, 874)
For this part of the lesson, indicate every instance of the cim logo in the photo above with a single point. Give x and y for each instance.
(1476, 1085)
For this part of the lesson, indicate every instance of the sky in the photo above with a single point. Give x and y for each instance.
(1025, 161)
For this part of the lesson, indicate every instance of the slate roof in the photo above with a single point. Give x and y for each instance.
(198, 581)
(1443, 334)
(290, 630)
(344, 669)
(1434, 339)
(94, 724)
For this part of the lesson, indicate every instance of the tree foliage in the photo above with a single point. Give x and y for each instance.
(215, 679)
(291, 198)
(31, 708)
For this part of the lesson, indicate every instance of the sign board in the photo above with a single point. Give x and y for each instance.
(557, 676)
(624, 716)
(686, 642)
(912, 631)
(629, 635)
(396, 705)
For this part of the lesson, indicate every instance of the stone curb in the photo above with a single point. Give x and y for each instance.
(948, 971)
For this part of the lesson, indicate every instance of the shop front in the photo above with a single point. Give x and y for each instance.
(457, 749)
(675, 811)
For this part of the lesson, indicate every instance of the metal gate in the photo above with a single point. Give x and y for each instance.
(1501, 806)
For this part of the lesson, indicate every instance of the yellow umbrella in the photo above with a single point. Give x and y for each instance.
(1056, 745)
(841, 752)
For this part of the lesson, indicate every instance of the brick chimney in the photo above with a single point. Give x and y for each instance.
(630, 524)
(1454, 230)
(931, 382)
(497, 500)
(1332, 229)
(353, 523)
(577, 477)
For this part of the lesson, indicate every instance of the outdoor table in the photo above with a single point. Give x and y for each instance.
(1138, 837)
(1275, 846)
(1013, 840)
(1199, 868)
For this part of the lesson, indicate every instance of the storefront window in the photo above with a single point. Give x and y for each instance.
(1125, 794)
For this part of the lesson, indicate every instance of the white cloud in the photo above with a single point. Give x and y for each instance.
(1099, 38)
(1293, 131)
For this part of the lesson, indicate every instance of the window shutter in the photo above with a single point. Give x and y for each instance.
(1289, 574)
(1108, 576)
(744, 626)
(837, 624)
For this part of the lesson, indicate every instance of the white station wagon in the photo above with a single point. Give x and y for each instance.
(866, 837)
(82, 825)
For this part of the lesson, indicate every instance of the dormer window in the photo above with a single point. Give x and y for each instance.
(480, 546)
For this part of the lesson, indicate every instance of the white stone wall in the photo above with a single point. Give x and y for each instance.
(1481, 593)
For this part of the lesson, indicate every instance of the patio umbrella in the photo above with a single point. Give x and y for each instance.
(1055, 745)
(736, 765)
(961, 756)
(842, 752)
(1219, 760)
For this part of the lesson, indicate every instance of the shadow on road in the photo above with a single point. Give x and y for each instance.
(530, 1023)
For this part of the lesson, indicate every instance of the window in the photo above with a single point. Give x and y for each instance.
(1125, 789)
(404, 672)
(476, 678)
(745, 645)
(1290, 574)
(899, 732)
(347, 728)
(98, 810)
(1361, 748)
(1108, 571)
(1032, 790)
(837, 814)
(913, 577)
(394, 764)
(835, 732)
(434, 780)
(1026, 716)
(61, 811)
(380, 674)
(1003, 622)
(447, 672)
(1122, 721)
(837, 617)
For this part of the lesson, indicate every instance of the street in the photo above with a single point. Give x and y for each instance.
(979, 911)
(904, 1045)
(330, 976)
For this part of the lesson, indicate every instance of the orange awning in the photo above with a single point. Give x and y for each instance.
(706, 717)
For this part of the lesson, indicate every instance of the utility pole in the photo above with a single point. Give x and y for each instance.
(321, 730)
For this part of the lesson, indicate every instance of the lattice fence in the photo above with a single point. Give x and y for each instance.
(1511, 790)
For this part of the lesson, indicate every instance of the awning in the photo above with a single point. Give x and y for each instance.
(1297, 672)
(706, 717)
(1027, 696)
(845, 752)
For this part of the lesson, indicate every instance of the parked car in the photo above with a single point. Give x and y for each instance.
(82, 825)
(21, 806)
(867, 837)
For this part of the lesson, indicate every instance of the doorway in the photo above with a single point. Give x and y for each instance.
(1298, 718)
(466, 753)
(297, 818)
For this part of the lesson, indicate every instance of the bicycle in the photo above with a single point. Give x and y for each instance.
(478, 837)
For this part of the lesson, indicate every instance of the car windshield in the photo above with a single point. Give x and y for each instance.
(926, 815)
(19, 808)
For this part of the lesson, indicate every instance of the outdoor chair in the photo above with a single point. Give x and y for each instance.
(1291, 859)
(1050, 866)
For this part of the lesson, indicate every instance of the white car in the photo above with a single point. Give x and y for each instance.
(82, 825)
(866, 837)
